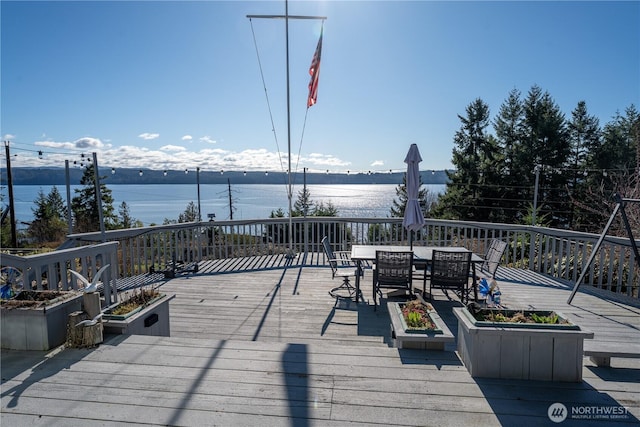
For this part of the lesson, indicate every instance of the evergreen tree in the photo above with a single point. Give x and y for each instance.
(85, 208)
(584, 137)
(618, 150)
(126, 220)
(399, 204)
(190, 214)
(474, 153)
(321, 209)
(48, 223)
(509, 130)
(303, 205)
(545, 144)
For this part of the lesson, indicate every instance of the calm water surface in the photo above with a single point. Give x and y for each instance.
(152, 203)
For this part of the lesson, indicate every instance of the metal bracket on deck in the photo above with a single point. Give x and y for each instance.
(179, 267)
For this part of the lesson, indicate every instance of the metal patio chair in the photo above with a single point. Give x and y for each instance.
(392, 270)
(492, 257)
(341, 266)
(450, 271)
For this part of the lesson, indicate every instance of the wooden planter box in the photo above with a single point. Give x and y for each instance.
(41, 328)
(150, 320)
(520, 351)
(418, 339)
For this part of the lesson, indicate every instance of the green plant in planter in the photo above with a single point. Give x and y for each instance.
(416, 316)
(551, 319)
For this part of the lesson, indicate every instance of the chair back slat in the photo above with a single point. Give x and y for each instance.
(493, 256)
(394, 269)
(450, 269)
(331, 257)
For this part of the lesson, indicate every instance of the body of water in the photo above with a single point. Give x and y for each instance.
(152, 203)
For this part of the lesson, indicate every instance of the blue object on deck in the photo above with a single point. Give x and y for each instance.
(483, 287)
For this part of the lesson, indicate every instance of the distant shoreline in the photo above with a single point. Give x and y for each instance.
(56, 176)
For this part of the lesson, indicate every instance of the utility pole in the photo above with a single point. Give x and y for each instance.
(98, 196)
(230, 201)
(535, 195)
(68, 182)
(198, 183)
(12, 211)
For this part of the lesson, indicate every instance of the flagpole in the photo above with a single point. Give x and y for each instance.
(286, 17)
(290, 253)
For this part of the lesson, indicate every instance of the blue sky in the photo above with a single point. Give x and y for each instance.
(175, 85)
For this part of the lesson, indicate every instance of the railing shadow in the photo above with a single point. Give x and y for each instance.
(519, 402)
(195, 385)
(42, 364)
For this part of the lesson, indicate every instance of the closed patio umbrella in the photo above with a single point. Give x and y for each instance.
(413, 219)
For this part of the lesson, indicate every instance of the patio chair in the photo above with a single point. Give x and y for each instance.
(341, 266)
(450, 271)
(492, 257)
(392, 270)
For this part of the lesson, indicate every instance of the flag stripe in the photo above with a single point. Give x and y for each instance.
(314, 71)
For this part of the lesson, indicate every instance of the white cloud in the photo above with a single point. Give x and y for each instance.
(177, 157)
(88, 142)
(54, 144)
(172, 148)
(207, 139)
(148, 136)
(187, 138)
(377, 163)
(8, 137)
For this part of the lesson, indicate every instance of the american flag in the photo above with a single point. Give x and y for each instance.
(314, 71)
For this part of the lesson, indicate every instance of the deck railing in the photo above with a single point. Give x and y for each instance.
(50, 270)
(558, 253)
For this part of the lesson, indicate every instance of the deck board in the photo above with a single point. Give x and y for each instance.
(270, 347)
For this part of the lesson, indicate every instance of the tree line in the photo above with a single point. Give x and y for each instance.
(530, 151)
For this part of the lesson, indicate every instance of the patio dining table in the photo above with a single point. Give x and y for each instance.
(422, 256)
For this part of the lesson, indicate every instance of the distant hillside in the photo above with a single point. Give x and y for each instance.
(56, 176)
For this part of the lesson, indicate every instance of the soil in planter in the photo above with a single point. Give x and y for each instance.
(416, 315)
(138, 298)
(36, 299)
(517, 316)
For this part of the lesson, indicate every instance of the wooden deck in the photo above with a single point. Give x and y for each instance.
(270, 347)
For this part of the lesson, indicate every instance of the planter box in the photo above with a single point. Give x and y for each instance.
(150, 320)
(423, 339)
(520, 351)
(38, 328)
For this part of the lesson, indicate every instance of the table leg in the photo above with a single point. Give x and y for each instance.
(475, 283)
